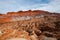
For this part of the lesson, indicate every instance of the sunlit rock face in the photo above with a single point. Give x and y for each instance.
(21, 18)
(30, 25)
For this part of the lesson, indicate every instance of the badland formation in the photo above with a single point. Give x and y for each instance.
(30, 25)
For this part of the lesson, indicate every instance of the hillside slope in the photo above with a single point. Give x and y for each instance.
(30, 25)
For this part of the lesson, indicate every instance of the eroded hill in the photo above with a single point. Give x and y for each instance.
(30, 25)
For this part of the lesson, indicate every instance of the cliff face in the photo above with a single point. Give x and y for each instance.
(30, 25)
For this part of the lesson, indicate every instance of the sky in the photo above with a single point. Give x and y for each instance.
(17, 5)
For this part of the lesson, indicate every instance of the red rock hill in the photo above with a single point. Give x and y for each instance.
(7, 17)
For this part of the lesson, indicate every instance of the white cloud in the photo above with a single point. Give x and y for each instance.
(16, 5)
(53, 6)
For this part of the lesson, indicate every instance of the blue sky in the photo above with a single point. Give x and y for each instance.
(17, 5)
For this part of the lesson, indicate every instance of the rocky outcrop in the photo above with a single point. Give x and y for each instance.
(30, 25)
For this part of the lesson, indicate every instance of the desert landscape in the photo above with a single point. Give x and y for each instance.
(30, 25)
